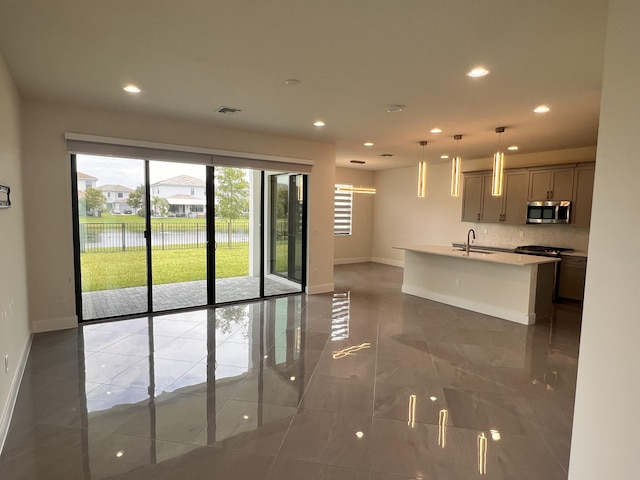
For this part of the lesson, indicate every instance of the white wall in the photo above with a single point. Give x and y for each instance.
(401, 218)
(606, 423)
(48, 193)
(356, 247)
(14, 320)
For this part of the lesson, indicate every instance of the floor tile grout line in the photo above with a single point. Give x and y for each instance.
(298, 406)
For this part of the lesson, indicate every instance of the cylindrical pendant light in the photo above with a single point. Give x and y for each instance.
(497, 178)
(422, 173)
(455, 170)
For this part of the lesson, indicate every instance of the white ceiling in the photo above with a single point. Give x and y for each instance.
(352, 57)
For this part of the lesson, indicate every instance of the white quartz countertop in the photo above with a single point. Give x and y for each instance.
(495, 257)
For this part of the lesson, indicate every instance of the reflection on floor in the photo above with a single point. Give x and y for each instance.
(127, 301)
(366, 383)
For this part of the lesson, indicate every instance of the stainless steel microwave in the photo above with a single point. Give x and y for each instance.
(549, 212)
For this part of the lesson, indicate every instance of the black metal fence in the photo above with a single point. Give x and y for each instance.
(130, 236)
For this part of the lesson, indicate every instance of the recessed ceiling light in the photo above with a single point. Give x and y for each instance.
(513, 148)
(478, 72)
(541, 109)
(359, 434)
(444, 156)
(319, 123)
(292, 82)
(436, 130)
(368, 144)
(120, 453)
(395, 108)
(132, 89)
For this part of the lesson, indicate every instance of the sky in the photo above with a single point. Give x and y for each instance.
(130, 172)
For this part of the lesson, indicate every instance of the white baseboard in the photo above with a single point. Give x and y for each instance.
(5, 419)
(511, 315)
(347, 261)
(386, 261)
(315, 289)
(51, 324)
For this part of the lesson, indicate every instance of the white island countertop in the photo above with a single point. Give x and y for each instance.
(506, 285)
(484, 256)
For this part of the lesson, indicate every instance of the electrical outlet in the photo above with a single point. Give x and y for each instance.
(485, 231)
(6, 363)
(458, 283)
(521, 233)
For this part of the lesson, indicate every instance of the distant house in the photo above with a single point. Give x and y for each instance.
(117, 196)
(185, 194)
(85, 181)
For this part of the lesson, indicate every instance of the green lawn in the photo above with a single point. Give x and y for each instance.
(105, 271)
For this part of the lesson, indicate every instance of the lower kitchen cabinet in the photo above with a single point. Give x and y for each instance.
(571, 277)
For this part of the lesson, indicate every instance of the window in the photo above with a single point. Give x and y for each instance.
(342, 207)
(108, 194)
(193, 191)
(119, 194)
(88, 184)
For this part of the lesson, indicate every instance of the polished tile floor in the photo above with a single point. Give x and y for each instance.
(365, 383)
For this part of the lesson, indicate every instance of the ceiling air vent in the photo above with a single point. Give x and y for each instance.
(357, 162)
(386, 154)
(228, 110)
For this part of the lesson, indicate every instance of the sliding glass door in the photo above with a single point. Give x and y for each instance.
(111, 246)
(178, 235)
(237, 193)
(287, 228)
(154, 236)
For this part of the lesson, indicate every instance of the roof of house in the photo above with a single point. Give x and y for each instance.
(84, 176)
(181, 180)
(115, 188)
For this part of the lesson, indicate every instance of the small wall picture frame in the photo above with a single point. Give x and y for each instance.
(5, 196)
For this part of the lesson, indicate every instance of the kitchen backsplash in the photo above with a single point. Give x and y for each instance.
(553, 235)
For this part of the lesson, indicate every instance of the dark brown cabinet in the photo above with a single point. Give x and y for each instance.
(551, 184)
(582, 195)
(571, 279)
(478, 205)
(472, 187)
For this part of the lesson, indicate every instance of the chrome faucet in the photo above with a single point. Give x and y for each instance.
(469, 233)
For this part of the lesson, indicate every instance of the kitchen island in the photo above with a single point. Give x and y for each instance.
(514, 287)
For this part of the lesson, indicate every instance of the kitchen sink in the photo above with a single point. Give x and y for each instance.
(473, 250)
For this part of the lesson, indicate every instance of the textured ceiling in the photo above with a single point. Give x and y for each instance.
(353, 58)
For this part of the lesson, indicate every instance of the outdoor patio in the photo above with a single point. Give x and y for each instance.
(171, 296)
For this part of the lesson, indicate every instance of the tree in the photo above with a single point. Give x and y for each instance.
(159, 205)
(232, 195)
(136, 198)
(94, 199)
(232, 192)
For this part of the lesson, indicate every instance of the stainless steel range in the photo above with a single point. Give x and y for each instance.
(542, 250)
(546, 251)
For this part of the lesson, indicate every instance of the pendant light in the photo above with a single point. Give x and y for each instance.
(455, 170)
(497, 178)
(422, 173)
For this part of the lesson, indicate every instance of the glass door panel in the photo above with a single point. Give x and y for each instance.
(286, 236)
(178, 235)
(112, 244)
(237, 233)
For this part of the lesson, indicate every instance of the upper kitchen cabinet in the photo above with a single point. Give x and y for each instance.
(472, 188)
(582, 195)
(511, 207)
(478, 205)
(551, 184)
